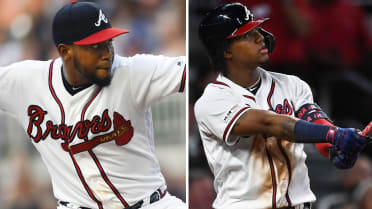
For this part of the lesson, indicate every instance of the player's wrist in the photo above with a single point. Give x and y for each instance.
(306, 132)
(330, 137)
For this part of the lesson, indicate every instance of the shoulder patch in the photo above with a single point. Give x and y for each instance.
(230, 113)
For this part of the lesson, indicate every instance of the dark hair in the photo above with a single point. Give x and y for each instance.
(216, 53)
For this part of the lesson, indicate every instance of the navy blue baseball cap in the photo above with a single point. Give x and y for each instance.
(83, 23)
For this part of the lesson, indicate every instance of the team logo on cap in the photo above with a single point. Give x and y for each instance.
(247, 14)
(101, 17)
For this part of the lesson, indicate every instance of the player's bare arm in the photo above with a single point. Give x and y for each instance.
(296, 130)
(265, 122)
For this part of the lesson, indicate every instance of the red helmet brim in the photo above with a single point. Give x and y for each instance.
(247, 27)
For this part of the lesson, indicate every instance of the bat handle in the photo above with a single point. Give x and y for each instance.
(367, 130)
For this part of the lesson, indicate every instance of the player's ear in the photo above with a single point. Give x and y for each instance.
(227, 54)
(65, 51)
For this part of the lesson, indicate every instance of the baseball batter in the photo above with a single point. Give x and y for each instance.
(250, 120)
(88, 114)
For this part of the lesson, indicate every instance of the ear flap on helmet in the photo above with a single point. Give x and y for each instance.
(269, 39)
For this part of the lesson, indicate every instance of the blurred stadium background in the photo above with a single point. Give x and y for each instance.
(157, 27)
(326, 43)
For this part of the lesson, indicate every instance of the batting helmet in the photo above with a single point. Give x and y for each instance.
(228, 21)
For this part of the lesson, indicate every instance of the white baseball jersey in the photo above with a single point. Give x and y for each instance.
(98, 144)
(253, 171)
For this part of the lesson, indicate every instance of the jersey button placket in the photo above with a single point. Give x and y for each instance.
(282, 201)
(283, 186)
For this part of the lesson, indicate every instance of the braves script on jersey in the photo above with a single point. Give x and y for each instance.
(253, 171)
(97, 144)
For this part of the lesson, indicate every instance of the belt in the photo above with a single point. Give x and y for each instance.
(306, 205)
(155, 196)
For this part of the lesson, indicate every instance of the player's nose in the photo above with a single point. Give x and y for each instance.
(259, 37)
(107, 51)
(107, 54)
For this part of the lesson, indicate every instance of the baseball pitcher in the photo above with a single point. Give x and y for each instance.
(88, 113)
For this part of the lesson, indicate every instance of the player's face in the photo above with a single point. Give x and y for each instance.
(93, 62)
(249, 49)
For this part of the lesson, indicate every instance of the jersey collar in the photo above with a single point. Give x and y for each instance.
(222, 80)
(70, 88)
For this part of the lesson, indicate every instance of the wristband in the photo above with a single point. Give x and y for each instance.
(306, 132)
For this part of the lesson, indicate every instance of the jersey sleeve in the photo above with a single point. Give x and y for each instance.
(218, 116)
(155, 77)
(10, 93)
(302, 93)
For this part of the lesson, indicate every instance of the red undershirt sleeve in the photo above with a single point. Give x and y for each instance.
(323, 148)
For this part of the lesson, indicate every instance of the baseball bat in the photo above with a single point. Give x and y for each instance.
(367, 130)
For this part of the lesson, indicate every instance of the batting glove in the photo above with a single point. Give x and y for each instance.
(340, 159)
(346, 140)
